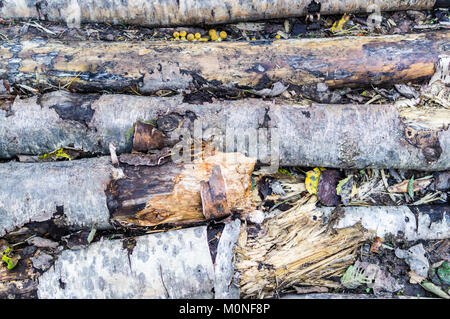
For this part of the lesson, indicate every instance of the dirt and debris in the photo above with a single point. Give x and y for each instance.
(314, 25)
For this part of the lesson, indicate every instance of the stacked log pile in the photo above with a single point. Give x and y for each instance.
(167, 180)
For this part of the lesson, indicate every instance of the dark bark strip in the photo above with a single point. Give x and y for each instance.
(152, 66)
(214, 195)
(184, 12)
(343, 136)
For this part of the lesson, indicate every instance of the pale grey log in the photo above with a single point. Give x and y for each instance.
(31, 192)
(225, 286)
(350, 136)
(425, 223)
(183, 12)
(175, 264)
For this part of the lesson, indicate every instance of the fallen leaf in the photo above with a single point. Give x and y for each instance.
(338, 25)
(312, 180)
(326, 189)
(415, 278)
(376, 245)
(410, 187)
(277, 89)
(345, 189)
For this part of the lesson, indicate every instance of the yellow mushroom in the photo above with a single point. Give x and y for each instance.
(277, 36)
(223, 34)
(214, 37)
(182, 33)
(190, 37)
(212, 32)
(198, 36)
(176, 34)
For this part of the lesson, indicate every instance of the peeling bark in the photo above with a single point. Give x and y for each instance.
(151, 66)
(184, 12)
(343, 136)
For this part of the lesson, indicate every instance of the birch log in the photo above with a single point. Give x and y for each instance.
(72, 192)
(187, 12)
(173, 265)
(343, 136)
(82, 193)
(151, 66)
(407, 222)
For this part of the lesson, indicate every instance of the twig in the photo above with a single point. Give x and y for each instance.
(383, 178)
(71, 81)
(38, 26)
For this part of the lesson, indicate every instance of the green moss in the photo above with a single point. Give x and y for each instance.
(130, 132)
(10, 262)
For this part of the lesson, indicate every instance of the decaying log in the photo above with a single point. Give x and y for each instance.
(344, 136)
(81, 194)
(307, 245)
(187, 12)
(294, 248)
(172, 193)
(151, 66)
(174, 264)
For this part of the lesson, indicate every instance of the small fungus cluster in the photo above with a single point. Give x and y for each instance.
(212, 36)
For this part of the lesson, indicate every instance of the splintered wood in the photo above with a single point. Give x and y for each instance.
(295, 248)
(171, 193)
(214, 195)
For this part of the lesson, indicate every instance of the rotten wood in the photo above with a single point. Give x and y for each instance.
(325, 135)
(92, 66)
(81, 194)
(172, 193)
(187, 12)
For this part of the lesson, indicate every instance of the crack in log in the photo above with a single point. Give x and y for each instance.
(162, 281)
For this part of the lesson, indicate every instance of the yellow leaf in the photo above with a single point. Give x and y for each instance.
(338, 25)
(312, 180)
